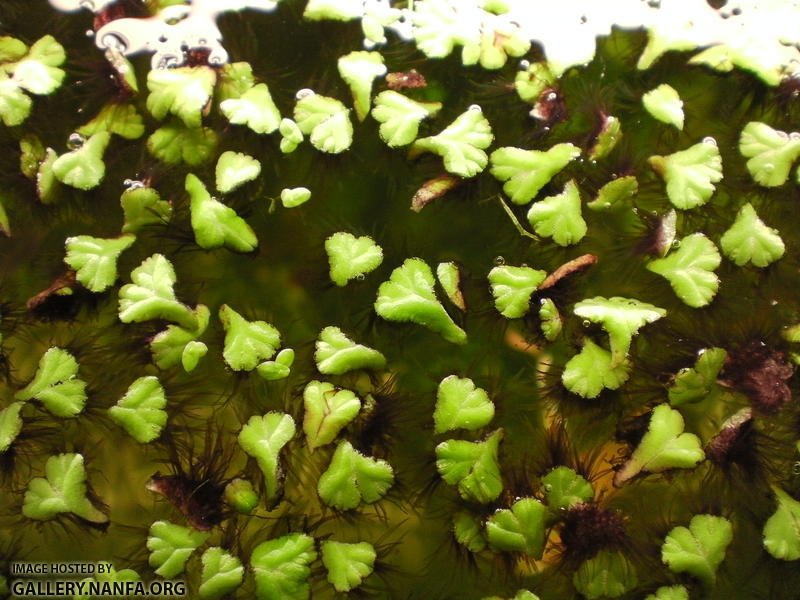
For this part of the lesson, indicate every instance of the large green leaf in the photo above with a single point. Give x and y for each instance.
(83, 167)
(351, 257)
(140, 411)
(95, 259)
(281, 567)
(559, 217)
(690, 270)
(400, 117)
(143, 206)
(327, 411)
(247, 342)
(563, 488)
(693, 385)
(770, 153)
(56, 384)
(749, 240)
(592, 370)
(347, 564)
(119, 118)
(263, 438)
(352, 478)
(698, 549)
(184, 92)
(519, 529)
(325, 120)
(607, 575)
(235, 169)
(512, 288)
(459, 404)
(664, 104)
(525, 172)
(216, 225)
(171, 546)
(359, 69)
(473, 466)
(255, 109)
(174, 143)
(337, 354)
(690, 174)
(222, 574)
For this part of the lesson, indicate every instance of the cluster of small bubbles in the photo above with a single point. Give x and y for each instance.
(304, 93)
(75, 141)
(710, 140)
(499, 261)
(475, 107)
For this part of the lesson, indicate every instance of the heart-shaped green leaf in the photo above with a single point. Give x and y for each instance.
(95, 259)
(263, 438)
(216, 225)
(222, 573)
(782, 529)
(563, 488)
(352, 478)
(409, 296)
(526, 172)
(327, 411)
(559, 217)
(235, 169)
(592, 370)
(281, 567)
(698, 549)
(255, 109)
(241, 495)
(293, 197)
(401, 116)
(690, 174)
(171, 546)
(459, 404)
(62, 490)
(519, 529)
(83, 168)
(140, 411)
(247, 342)
(512, 288)
(770, 153)
(749, 240)
(472, 466)
(348, 565)
(325, 120)
(664, 446)
(184, 92)
(690, 270)
(56, 384)
(350, 256)
(337, 354)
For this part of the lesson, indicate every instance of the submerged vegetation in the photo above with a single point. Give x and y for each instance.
(431, 300)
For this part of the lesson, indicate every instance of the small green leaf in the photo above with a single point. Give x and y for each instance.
(592, 370)
(347, 564)
(184, 92)
(563, 488)
(48, 188)
(143, 206)
(10, 423)
(409, 296)
(551, 320)
(31, 153)
(461, 144)
(140, 411)
(56, 384)
(532, 81)
(11, 49)
(327, 411)
(449, 276)
(401, 116)
(468, 531)
(700, 549)
(174, 143)
(325, 120)
(518, 529)
(222, 574)
(95, 259)
(171, 546)
(472, 466)
(333, 10)
(169, 347)
(664, 103)
(62, 490)
(291, 136)
(352, 478)
(770, 153)
(664, 446)
(693, 385)
(281, 567)
(15, 105)
(512, 288)
(293, 197)
(782, 529)
(614, 193)
(241, 495)
(247, 342)
(690, 174)
(621, 318)
(559, 216)
(83, 168)
(263, 438)
(350, 256)
(690, 270)
(525, 172)
(234, 169)
(192, 353)
(520, 595)
(118, 118)
(38, 72)
(461, 405)
(255, 109)
(672, 592)
(151, 296)
(359, 70)
(749, 240)
(337, 354)
(234, 80)
(607, 138)
(608, 575)
(272, 370)
(216, 225)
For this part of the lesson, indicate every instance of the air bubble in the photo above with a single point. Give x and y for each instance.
(676, 243)
(796, 468)
(75, 141)
(133, 184)
(794, 136)
(524, 65)
(304, 93)
(499, 261)
(710, 140)
(586, 323)
(89, 33)
(360, 277)
(773, 303)
(475, 107)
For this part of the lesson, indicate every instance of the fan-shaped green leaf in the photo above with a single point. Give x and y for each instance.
(216, 225)
(468, 531)
(551, 320)
(255, 109)
(519, 529)
(10, 425)
(614, 193)
(347, 564)
(38, 72)
(325, 120)
(140, 411)
(461, 143)
(664, 103)
(95, 259)
(263, 438)
(512, 288)
(664, 446)
(15, 105)
(559, 216)
(698, 549)
(336, 354)
(173, 345)
(401, 116)
(690, 174)
(235, 169)
(171, 546)
(56, 385)
(563, 487)
(83, 168)
(281, 567)
(693, 385)
(184, 92)
(121, 119)
(327, 411)
(359, 70)
(62, 490)
(349, 256)
(241, 495)
(525, 172)
(672, 592)
(222, 574)
(690, 270)
(782, 529)
(607, 575)
(409, 296)
(459, 404)
(352, 478)
(174, 143)
(770, 153)
(592, 370)
(749, 240)
(247, 342)
(472, 466)
(143, 206)
(449, 277)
